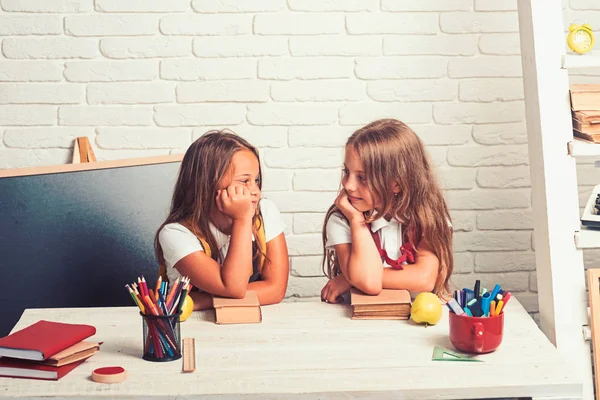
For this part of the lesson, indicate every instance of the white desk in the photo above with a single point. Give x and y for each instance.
(307, 350)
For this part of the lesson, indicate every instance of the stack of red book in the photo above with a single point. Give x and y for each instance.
(46, 350)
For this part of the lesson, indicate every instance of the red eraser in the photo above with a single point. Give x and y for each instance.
(109, 375)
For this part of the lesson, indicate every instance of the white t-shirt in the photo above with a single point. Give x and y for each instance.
(390, 234)
(177, 241)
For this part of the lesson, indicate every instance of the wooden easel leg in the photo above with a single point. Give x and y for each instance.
(76, 159)
(82, 141)
(90, 152)
(82, 151)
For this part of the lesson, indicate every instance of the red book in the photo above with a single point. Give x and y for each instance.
(14, 368)
(43, 339)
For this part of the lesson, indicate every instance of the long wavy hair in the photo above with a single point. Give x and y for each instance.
(204, 164)
(392, 153)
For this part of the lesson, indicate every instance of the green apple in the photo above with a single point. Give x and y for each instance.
(426, 309)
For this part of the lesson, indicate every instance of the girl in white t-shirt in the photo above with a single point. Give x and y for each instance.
(389, 227)
(217, 201)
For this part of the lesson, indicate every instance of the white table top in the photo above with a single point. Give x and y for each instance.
(307, 350)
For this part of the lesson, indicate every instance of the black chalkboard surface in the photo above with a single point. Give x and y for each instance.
(74, 235)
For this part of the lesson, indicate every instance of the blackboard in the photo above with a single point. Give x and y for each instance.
(74, 235)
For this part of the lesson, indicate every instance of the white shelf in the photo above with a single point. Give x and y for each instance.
(587, 238)
(580, 61)
(581, 148)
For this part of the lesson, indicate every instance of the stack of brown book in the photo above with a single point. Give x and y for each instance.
(585, 108)
(389, 304)
(238, 311)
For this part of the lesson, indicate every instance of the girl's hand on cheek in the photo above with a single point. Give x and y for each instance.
(347, 208)
(219, 200)
(235, 201)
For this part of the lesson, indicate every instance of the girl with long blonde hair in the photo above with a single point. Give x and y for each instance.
(389, 227)
(219, 232)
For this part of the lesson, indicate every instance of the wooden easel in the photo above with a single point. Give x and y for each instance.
(594, 294)
(82, 151)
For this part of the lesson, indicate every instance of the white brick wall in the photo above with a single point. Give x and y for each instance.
(296, 77)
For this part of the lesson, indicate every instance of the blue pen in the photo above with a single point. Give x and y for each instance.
(469, 295)
(486, 298)
(496, 290)
(468, 312)
(162, 302)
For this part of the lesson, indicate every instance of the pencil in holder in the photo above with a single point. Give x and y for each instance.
(162, 337)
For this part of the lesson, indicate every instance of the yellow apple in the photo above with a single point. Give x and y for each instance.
(426, 309)
(186, 308)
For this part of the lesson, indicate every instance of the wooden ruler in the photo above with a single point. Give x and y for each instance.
(189, 355)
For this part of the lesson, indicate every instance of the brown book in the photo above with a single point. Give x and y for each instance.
(79, 351)
(589, 116)
(586, 127)
(238, 311)
(590, 137)
(585, 97)
(389, 304)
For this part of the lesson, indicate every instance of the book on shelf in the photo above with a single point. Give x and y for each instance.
(589, 137)
(587, 116)
(586, 127)
(238, 311)
(585, 97)
(43, 339)
(389, 304)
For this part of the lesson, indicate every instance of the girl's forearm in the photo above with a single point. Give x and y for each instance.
(237, 266)
(364, 266)
(267, 292)
(411, 278)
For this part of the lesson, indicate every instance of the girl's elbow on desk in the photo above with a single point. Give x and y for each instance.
(275, 298)
(233, 290)
(279, 296)
(369, 286)
(236, 293)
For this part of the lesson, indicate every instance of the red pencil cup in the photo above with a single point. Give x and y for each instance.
(476, 334)
(162, 337)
